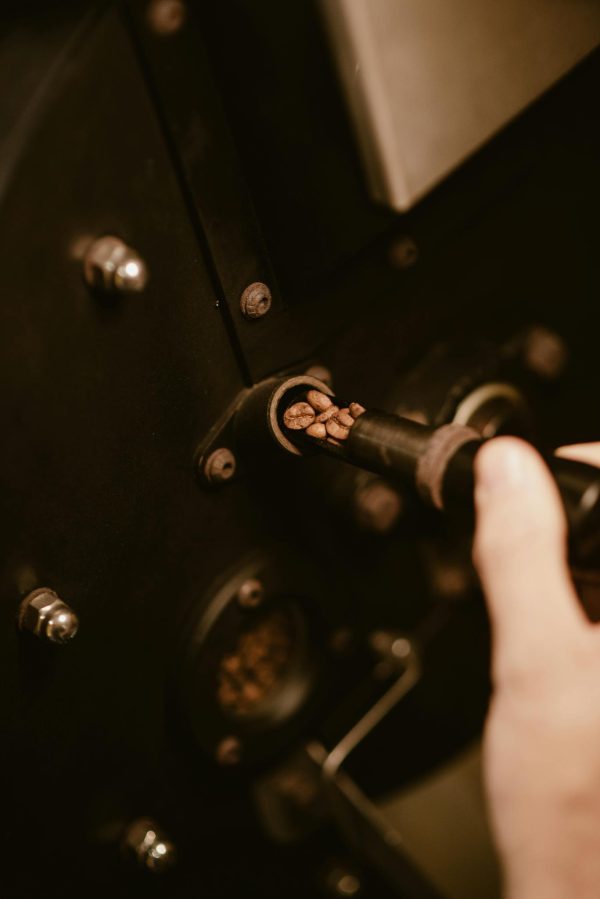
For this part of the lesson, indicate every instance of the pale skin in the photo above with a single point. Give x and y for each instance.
(542, 738)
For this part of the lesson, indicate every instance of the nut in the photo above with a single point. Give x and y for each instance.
(44, 614)
(319, 401)
(299, 416)
(255, 300)
(251, 594)
(220, 466)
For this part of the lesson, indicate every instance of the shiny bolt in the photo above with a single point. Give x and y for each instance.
(166, 17)
(111, 266)
(229, 751)
(251, 594)
(151, 848)
(44, 614)
(404, 252)
(255, 300)
(220, 466)
(377, 506)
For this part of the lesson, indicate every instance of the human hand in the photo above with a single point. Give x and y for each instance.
(542, 738)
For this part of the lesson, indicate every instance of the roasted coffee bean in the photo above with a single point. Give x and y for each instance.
(318, 400)
(317, 430)
(335, 429)
(299, 416)
(343, 418)
(325, 416)
(356, 410)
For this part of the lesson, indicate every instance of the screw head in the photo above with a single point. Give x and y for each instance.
(251, 594)
(111, 266)
(229, 751)
(220, 466)
(256, 300)
(44, 614)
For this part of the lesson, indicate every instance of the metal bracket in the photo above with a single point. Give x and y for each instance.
(366, 828)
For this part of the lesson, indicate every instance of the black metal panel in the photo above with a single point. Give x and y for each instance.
(105, 401)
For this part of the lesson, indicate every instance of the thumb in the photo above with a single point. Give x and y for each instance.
(520, 553)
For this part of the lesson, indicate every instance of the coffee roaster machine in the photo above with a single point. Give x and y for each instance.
(228, 670)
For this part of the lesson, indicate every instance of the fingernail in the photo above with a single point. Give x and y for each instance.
(501, 464)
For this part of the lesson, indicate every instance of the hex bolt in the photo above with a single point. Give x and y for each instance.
(220, 466)
(110, 266)
(44, 614)
(152, 849)
(403, 252)
(251, 594)
(255, 300)
(229, 751)
(165, 17)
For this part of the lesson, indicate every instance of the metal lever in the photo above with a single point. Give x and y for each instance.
(365, 827)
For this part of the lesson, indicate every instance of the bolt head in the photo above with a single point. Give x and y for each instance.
(255, 301)
(220, 466)
(251, 594)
